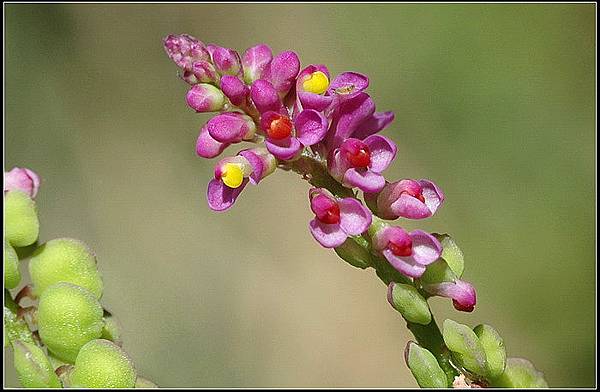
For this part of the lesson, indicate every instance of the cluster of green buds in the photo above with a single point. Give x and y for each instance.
(64, 338)
(480, 356)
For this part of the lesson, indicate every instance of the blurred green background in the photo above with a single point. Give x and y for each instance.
(494, 102)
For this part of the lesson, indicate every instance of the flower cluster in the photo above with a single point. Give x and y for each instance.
(293, 114)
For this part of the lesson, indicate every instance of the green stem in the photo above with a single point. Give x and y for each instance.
(429, 336)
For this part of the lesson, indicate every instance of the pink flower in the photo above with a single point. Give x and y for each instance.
(336, 219)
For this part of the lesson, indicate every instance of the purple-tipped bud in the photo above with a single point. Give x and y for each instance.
(234, 89)
(282, 71)
(409, 199)
(463, 294)
(227, 61)
(184, 50)
(201, 72)
(231, 127)
(255, 60)
(205, 98)
(22, 179)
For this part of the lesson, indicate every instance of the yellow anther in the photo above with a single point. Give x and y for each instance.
(317, 83)
(232, 175)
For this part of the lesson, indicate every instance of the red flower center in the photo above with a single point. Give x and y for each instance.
(357, 154)
(330, 215)
(280, 128)
(402, 248)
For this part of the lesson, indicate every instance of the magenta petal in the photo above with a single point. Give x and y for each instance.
(311, 127)
(22, 179)
(255, 60)
(406, 265)
(337, 165)
(348, 83)
(355, 219)
(314, 101)
(220, 197)
(373, 124)
(207, 147)
(349, 115)
(365, 180)
(434, 197)
(227, 127)
(426, 248)
(284, 149)
(227, 61)
(258, 166)
(383, 152)
(409, 207)
(329, 236)
(234, 89)
(283, 71)
(265, 96)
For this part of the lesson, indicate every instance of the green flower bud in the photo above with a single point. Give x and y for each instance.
(424, 367)
(452, 254)
(493, 345)
(141, 382)
(102, 364)
(407, 300)
(65, 260)
(355, 252)
(68, 317)
(520, 373)
(33, 368)
(21, 225)
(465, 347)
(112, 329)
(12, 276)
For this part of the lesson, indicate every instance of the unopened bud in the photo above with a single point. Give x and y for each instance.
(355, 252)
(21, 224)
(424, 367)
(22, 179)
(65, 260)
(32, 366)
(102, 364)
(205, 98)
(493, 345)
(68, 317)
(520, 373)
(411, 305)
(12, 276)
(466, 347)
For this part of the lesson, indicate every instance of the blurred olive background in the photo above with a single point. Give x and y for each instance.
(494, 102)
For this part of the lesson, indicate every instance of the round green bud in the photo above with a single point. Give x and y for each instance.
(32, 366)
(21, 224)
(103, 364)
(65, 260)
(12, 276)
(68, 317)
